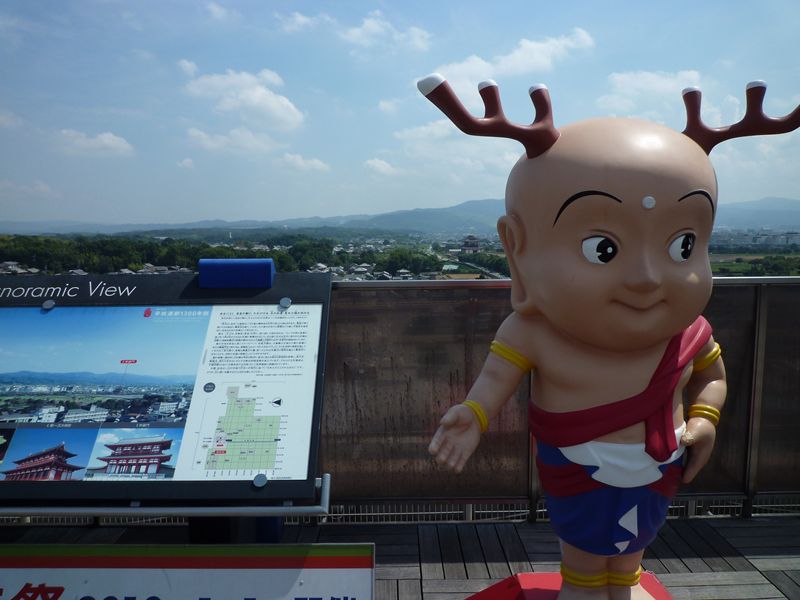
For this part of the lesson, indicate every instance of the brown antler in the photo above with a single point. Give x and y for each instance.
(537, 137)
(754, 122)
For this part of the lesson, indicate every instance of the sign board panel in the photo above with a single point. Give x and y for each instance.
(158, 382)
(165, 572)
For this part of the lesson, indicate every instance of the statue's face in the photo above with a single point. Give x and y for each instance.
(617, 217)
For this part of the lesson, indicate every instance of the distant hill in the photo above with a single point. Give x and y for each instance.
(88, 378)
(475, 216)
(771, 213)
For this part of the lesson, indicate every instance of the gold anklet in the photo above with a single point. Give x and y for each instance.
(580, 580)
(625, 579)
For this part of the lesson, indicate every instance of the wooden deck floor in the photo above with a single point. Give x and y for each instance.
(709, 559)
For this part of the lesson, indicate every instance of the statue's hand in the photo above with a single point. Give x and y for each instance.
(699, 438)
(456, 439)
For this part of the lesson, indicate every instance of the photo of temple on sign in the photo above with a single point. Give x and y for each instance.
(134, 454)
(47, 465)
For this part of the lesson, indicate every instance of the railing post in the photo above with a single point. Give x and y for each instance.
(756, 398)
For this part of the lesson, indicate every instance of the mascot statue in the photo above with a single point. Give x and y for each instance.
(606, 232)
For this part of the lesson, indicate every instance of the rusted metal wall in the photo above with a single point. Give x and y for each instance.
(400, 354)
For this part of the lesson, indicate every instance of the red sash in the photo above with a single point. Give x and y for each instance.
(653, 405)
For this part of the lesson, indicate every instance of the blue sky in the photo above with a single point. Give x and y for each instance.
(71, 339)
(141, 112)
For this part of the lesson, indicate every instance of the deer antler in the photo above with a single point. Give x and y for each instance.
(754, 122)
(537, 137)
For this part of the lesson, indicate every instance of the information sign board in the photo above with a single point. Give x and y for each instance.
(131, 384)
(167, 572)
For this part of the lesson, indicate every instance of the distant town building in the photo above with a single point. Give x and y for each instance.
(47, 465)
(470, 245)
(79, 415)
(163, 408)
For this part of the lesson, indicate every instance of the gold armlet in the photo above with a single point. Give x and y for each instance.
(708, 360)
(706, 411)
(511, 355)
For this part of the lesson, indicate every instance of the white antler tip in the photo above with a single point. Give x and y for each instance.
(757, 83)
(689, 90)
(536, 88)
(427, 84)
(487, 83)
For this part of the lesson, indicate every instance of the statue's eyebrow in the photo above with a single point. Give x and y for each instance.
(701, 193)
(579, 195)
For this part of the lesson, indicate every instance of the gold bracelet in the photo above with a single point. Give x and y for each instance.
(706, 411)
(480, 414)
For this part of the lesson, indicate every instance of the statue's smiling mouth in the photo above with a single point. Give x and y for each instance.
(640, 307)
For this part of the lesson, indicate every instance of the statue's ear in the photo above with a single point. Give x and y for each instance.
(512, 235)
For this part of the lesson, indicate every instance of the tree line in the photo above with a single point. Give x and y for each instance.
(105, 254)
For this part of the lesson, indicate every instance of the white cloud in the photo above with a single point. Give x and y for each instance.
(375, 30)
(250, 96)
(36, 189)
(529, 56)
(655, 95)
(382, 167)
(103, 144)
(220, 13)
(298, 22)
(186, 163)
(239, 140)
(305, 164)
(388, 106)
(440, 146)
(188, 67)
(144, 55)
(8, 120)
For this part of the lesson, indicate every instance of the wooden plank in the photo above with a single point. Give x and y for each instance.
(450, 547)
(668, 559)
(437, 588)
(515, 552)
(794, 575)
(683, 550)
(430, 557)
(789, 563)
(397, 571)
(385, 589)
(747, 585)
(712, 536)
(473, 555)
(409, 589)
(727, 592)
(493, 551)
(701, 546)
(785, 584)
(650, 562)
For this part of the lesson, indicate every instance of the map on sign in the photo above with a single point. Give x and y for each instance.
(253, 399)
(245, 437)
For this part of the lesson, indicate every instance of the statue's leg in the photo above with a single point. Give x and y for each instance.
(623, 577)
(584, 574)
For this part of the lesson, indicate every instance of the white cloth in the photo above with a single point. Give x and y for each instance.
(621, 465)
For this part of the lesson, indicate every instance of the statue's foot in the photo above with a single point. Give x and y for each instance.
(636, 592)
(571, 592)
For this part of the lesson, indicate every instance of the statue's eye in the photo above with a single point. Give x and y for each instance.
(599, 249)
(680, 249)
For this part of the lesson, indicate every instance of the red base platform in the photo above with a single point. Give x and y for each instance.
(545, 586)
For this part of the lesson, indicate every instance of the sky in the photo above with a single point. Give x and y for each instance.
(96, 339)
(172, 112)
